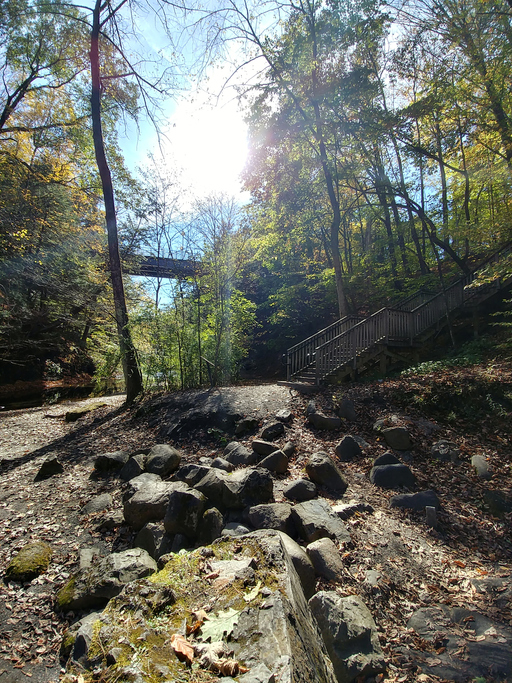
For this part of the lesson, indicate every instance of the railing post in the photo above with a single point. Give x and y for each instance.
(288, 366)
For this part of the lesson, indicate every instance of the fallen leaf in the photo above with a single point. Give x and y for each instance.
(182, 648)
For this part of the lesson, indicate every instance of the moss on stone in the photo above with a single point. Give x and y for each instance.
(66, 594)
(31, 561)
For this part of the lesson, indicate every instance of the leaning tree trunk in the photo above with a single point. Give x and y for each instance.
(132, 375)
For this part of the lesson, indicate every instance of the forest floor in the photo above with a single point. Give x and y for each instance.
(418, 566)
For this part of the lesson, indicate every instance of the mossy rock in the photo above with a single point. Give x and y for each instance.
(74, 415)
(32, 560)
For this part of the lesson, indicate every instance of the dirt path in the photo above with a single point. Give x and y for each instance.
(418, 566)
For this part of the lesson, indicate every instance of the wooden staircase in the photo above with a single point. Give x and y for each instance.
(347, 346)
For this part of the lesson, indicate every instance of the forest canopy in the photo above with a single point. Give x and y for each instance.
(380, 161)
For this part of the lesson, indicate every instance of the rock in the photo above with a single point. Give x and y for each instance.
(235, 529)
(163, 460)
(387, 458)
(222, 464)
(210, 527)
(350, 635)
(275, 462)
(74, 415)
(498, 502)
(184, 511)
(323, 422)
(392, 476)
(238, 455)
(326, 559)
(497, 589)
(348, 510)
(31, 561)
(323, 471)
(347, 410)
(213, 486)
(149, 503)
(83, 639)
(86, 556)
(311, 408)
(247, 424)
(445, 450)
(272, 516)
(242, 488)
(96, 504)
(431, 516)
(133, 468)
(263, 447)
(272, 431)
(191, 474)
(315, 519)
(302, 564)
(50, 467)
(397, 438)
(481, 467)
(111, 520)
(300, 490)
(153, 539)
(415, 501)
(274, 635)
(289, 448)
(485, 643)
(110, 462)
(94, 586)
(348, 449)
(284, 415)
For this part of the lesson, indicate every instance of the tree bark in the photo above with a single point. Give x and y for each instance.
(131, 370)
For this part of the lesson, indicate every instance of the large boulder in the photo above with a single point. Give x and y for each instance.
(415, 501)
(33, 559)
(275, 462)
(237, 490)
(93, 586)
(348, 449)
(392, 476)
(260, 610)
(397, 438)
(324, 422)
(149, 503)
(300, 490)
(350, 635)
(184, 511)
(111, 462)
(238, 455)
(323, 471)
(326, 559)
(272, 516)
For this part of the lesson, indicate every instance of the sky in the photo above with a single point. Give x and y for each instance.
(204, 139)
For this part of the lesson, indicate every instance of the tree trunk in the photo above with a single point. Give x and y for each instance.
(132, 375)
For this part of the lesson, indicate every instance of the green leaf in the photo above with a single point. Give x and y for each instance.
(219, 626)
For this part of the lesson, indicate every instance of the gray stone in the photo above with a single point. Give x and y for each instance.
(245, 487)
(258, 674)
(149, 503)
(235, 529)
(387, 458)
(184, 511)
(300, 490)
(110, 462)
(222, 464)
(397, 438)
(272, 431)
(445, 450)
(275, 462)
(237, 454)
(289, 448)
(324, 422)
(485, 643)
(111, 520)
(210, 527)
(86, 556)
(29, 562)
(350, 635)
(323, 471)
(50, 467)
(415, 501)
(497, 589)
(83, 638)
(348, 449)
(163, 460)
(311, 408)
(348, 510)
(347, 410)
(431, 516)
(373, 577)
(498, 502)
(481, 467)
(284, 415)
(315, 519)
(326, 559)
(96, 504)
(94, 586)
(139, 483)
(213, 486)
(302, 564)
(264, 447)
(191, 474)
(153, 539)
(133, 468)
(392, 476)
(272, 516)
